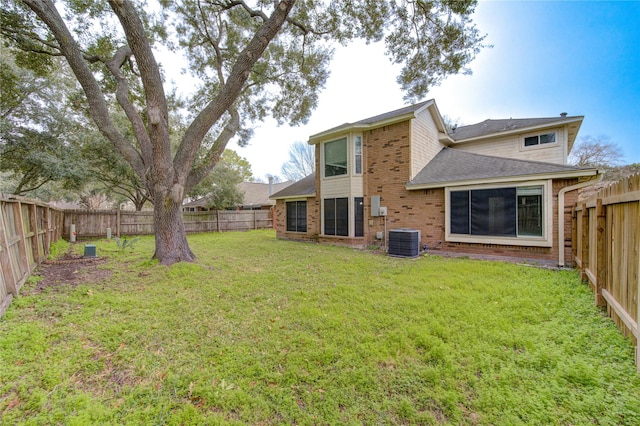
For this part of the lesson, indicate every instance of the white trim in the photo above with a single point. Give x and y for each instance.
(355, 136)
(547, 226)
(294, 197)
(539, 145)
(344, 138)
(361, 127)
(504, 179)
(561, 193)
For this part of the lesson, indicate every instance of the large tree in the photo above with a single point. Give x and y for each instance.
(301, 161)
(595, 152)
(250, 59)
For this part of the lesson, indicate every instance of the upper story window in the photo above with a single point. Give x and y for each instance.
(536, 140)
(335, 158)
(357, 141)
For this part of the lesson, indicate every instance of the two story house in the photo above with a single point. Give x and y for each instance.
(498, 189)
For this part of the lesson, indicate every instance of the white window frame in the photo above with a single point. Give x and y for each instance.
(546, 240)
(357, 138)
(324, 165)
(539, 145)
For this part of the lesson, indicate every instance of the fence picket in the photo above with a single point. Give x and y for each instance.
(608, 252)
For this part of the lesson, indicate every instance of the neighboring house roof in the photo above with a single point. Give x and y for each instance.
(493, 128)
(452, 167)
(305, 187)
(255, 194)
(390, 117)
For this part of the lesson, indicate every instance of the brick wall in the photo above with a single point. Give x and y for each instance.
(387, 168)
(387, 159)
(313, 221)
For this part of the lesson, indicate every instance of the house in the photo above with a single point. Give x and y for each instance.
(255, 197)
(497, 189)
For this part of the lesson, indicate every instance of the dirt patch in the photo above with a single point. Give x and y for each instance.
(70, 270)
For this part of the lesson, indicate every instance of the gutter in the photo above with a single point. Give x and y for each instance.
(598, 178)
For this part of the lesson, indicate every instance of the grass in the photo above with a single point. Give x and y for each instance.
(262, 331)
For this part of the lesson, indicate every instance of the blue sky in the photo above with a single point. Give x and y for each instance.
(548, 57)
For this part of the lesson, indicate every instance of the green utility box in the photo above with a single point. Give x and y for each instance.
(90, 251)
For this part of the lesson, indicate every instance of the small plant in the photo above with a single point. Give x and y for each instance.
(124, 242)
(58, 249)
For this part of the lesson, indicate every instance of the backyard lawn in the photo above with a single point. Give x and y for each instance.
(262, 331)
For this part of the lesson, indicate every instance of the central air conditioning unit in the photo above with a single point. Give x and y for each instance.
(404, 242)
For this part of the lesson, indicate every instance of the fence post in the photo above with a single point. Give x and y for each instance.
(6, 267)
(601, 253)
(118, 222)
(585, 242)
(35, 246)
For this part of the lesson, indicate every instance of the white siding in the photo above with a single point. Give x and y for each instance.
(349, 185)
(513, 147)
(424, 141)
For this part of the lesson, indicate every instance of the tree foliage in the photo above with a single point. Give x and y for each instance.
(250, 59)
(220, 188)
(301, 161)
(39, 133)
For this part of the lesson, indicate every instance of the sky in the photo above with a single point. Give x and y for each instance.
(548, 57)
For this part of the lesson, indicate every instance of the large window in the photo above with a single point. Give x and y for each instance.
(543, 139)
(500, 212)
(335, 158)
(297, 216)
(336, 216)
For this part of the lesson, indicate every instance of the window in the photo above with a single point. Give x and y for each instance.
(297, 216)
(335, 158)
(336, 216)
(500, 212)
(540, 139)
(357, 141)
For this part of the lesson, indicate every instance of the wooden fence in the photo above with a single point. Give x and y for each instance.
(27, 229)
(94, 223)
(606, 249)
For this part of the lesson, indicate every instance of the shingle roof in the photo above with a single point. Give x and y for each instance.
(302, 188)
(254, 194)
(378, 118)
(495, 127)
(454, 165)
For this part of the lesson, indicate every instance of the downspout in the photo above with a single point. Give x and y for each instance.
(561, 193)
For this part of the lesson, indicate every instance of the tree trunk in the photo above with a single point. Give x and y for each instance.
(171, 238)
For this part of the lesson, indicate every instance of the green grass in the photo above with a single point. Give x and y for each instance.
(262, 331)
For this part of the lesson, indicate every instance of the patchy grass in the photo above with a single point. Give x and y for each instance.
(262, 331)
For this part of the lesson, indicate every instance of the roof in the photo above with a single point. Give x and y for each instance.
(305, 187)
(255, 194)
(512, 125)
(457, 167)
(390, 117)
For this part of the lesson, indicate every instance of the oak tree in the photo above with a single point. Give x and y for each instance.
(247, 59)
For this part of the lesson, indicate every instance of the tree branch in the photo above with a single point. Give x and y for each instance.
(46, 11)
(157, 109)
(122, 95)
(215, 152)
(226, 97)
